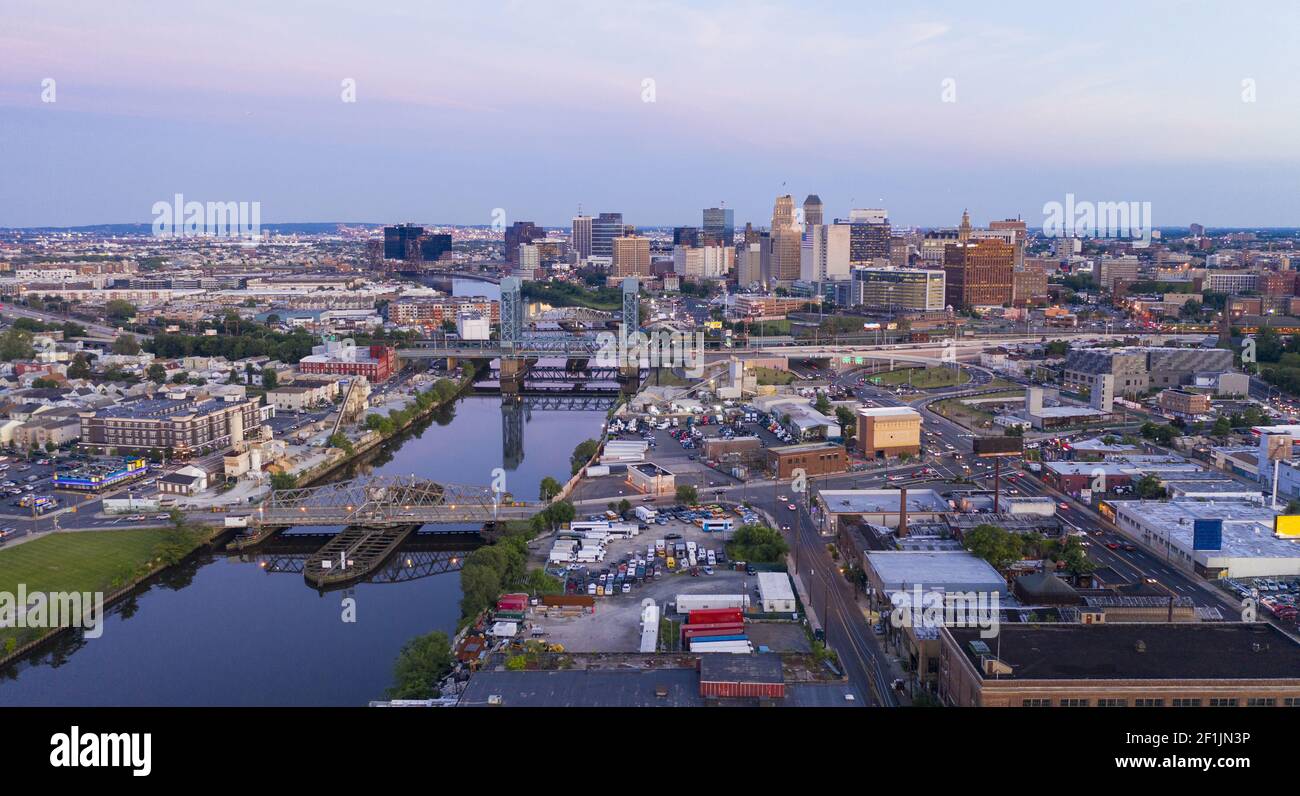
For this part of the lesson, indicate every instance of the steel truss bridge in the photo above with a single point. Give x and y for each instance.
(387, 501)
(529, 347)
(399, 568)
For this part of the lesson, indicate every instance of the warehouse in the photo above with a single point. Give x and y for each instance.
(1244, 548)
(775, 594)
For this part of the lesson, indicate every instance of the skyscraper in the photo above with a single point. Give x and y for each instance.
(720, 223)
(786, 242)
(631, 256)
(812, 210)
(397, 240)
(979, 273)
(604, 229)
(582, 236)
(519, 233)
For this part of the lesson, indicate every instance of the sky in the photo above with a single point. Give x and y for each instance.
(539, 108)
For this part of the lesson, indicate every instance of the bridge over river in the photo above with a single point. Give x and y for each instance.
(377, 514)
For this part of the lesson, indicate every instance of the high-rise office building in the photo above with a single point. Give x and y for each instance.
(979, 272)
(812, 211)
(519, 233)
(398, 239)
(686, 236)
(869, 237)
(631, 256)
(824, 254)
(786, 242)
(749, 263)
(713, 261)
(581, 238)
(1021, 234)
(604, 229)
(530, 261)
(720, 224)
(897, 289)
(411, 243)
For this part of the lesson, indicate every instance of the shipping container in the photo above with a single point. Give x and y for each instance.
(704, 616)
(686, 603)
(695, 630)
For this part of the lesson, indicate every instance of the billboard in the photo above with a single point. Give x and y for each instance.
(1207, 534)
(1287, 526)
(987, 447)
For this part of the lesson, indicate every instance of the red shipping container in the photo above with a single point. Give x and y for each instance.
(707, 615)
(689, 631)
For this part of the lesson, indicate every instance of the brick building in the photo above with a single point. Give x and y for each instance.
(1235, 664)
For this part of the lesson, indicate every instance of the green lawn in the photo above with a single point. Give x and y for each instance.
(924, 378)
(971, 416)
(773, 376)
(86, 561)
(79, 561)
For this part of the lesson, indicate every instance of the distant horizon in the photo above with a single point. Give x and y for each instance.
(656, 108)
(739, 227)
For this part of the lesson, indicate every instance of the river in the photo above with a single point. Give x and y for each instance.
(224, 631)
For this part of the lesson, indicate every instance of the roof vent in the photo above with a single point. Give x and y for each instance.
(1140, 646)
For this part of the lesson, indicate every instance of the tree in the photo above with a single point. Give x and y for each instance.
(126, 345)
(848, 422)
(44, 382)
(688, 495)
(283, 481)
(624, 506)
(119, 310)
(16, 344)
(995, 545)
(1222, 427)
(1148, 487)
(422, 663)
(79, 368)
(558, 513)
(1057, 348)
(157, 373)
(758, 543)
(549, 489)
(181, 378)
(269, 379)
(823, 403)
(582, 454)
(340, 440)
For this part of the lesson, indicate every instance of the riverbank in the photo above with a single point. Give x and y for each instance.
(114, 563)
(374, 439)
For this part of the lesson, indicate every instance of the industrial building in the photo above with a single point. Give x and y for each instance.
(889, 431)
(1120, 665)
(1237, 542)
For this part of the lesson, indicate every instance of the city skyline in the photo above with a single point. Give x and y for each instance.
(451, 126)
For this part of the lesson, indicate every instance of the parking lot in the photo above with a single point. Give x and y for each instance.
(19, 477)
(615, 626)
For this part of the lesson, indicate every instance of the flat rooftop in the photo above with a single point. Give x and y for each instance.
(951, 570)
(582, 688)
(881, 501)
(1223, 650)
(888, 411)
(1247, 525)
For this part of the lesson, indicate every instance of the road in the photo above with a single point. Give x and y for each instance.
(10, 311)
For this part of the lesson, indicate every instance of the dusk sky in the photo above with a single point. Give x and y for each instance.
(537, 107)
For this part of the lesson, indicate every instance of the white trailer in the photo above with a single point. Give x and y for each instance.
(734, 647)
(646, 514)
(700, 602)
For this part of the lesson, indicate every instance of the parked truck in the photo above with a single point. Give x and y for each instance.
(646, 514)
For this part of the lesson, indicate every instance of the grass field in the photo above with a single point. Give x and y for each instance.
(773, 376)
(970, 416)
(924, 378)
(82, 561)
(88, 561)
